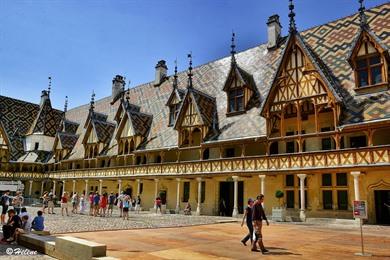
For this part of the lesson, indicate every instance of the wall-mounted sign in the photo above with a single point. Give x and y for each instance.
(360, 209)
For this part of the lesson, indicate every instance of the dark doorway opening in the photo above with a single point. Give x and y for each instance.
(226, 198)
(129, 191)
(382, 206)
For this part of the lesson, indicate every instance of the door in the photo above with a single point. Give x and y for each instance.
(226, 198)
(382, 206)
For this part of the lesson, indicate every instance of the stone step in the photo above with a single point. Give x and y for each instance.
(336, 221)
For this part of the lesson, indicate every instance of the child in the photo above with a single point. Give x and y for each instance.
(64, 203)
(37, 223)
(126, 205)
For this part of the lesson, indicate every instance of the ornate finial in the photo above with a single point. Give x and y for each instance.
(175, 76)
(49, 88)
(233, 48)
(128, 93)
(66, 104)
(291, 15)
(92, 104)
(362, 14)
(190, 70)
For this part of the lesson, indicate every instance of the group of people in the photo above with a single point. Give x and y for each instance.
(254, 216)
(99, 204)
(19, 221)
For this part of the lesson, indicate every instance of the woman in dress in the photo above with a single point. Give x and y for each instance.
(82, 204)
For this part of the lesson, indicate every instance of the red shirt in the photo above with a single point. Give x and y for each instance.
(103, 201)
(64, 199)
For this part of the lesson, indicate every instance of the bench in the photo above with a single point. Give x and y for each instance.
(64, 247)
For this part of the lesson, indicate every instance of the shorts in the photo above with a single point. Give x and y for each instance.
(64, 205)
(50, 204)
(125, 209)
(4, 209)
(110, 206)
(96, 206)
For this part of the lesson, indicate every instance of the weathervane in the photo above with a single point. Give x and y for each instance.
(291, 15)
(233, 48)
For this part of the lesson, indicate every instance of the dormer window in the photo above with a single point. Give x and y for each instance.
(236, 100)
(173, 110)
(369, 70)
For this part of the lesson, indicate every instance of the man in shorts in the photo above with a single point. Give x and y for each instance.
(50, 203)
(258, 215)
(111, 202)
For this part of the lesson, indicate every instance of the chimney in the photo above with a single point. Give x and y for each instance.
(161, 72)
(274, 31)
(118, 85)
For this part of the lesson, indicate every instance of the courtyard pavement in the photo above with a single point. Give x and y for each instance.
(222, 241)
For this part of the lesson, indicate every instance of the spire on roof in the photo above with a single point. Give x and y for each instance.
(362, 14)
(66, 104)
(291, 15)
(49, 88)
(92, 103)
(233, 48)
(190, 70)
(128, 93)
(175, 76)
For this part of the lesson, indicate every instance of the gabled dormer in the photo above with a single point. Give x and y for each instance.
(98, 133)
(302, 90)
(239, 86)
(133, 127)
(197, 116)
(369, 58)
(174, 100)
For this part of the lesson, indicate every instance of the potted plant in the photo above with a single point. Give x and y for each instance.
(279, 213)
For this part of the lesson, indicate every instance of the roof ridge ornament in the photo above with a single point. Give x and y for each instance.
(362, 14)
(92, 103)
(128, 93)
(233, 48)
(291, 15)
(49, 87)
(66, 105)
(189, 86)
(175, 76)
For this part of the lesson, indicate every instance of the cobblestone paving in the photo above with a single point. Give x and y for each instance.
(58, 224)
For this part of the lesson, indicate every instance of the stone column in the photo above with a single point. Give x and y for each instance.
(86, 187)
(198, 208)
(235, 196)
(178, 196)
(74, 186)
(42, 184)
(30, 188)
(356, 184)
(302, 214)
(262, 184)
(63, 186)
(100, 186)
(119, 187)
(138, 187)
(155, 192)
(54, 188)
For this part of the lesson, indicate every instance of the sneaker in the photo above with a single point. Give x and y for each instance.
(255, 250)
(10, 239)
(243, 242)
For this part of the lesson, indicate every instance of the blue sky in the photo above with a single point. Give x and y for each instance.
(83, 44)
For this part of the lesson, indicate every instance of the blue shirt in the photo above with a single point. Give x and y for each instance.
(37, 223)
(96, 199)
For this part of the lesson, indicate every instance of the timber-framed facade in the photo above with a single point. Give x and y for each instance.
(308, 113)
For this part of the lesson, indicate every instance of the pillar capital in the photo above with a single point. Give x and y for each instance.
(30, 181)
(74, 181)
(138, 180)
(235, 178)
(100, 180)
(156, 180)
(178, 179)
(302, 176)
(119, 181)
(199, 179)
(54, 181)
(262, 176)
(355, 174)
(86, 181)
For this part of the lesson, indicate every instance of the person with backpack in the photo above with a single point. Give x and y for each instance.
(4, 201)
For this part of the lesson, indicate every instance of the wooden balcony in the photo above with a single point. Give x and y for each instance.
(309, 161)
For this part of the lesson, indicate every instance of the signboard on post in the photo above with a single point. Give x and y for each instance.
(360, 209)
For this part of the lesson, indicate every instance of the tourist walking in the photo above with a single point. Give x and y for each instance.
(82, 204)
(17, 202)
(75, 202)
(138, 204)
(91, 206)
(50, 203)
(45, 201)
(158, 204)
(111, 202)
(4, 201)
(258, 215)
(103, 204)
(248, 220)
(126, 206)
(64, 203)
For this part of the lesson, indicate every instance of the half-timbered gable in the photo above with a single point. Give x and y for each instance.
(4, 144)
(302, 88)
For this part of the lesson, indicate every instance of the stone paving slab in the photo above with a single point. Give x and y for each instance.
(222, 241)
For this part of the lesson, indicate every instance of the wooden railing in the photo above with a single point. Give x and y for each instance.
(367, 156)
